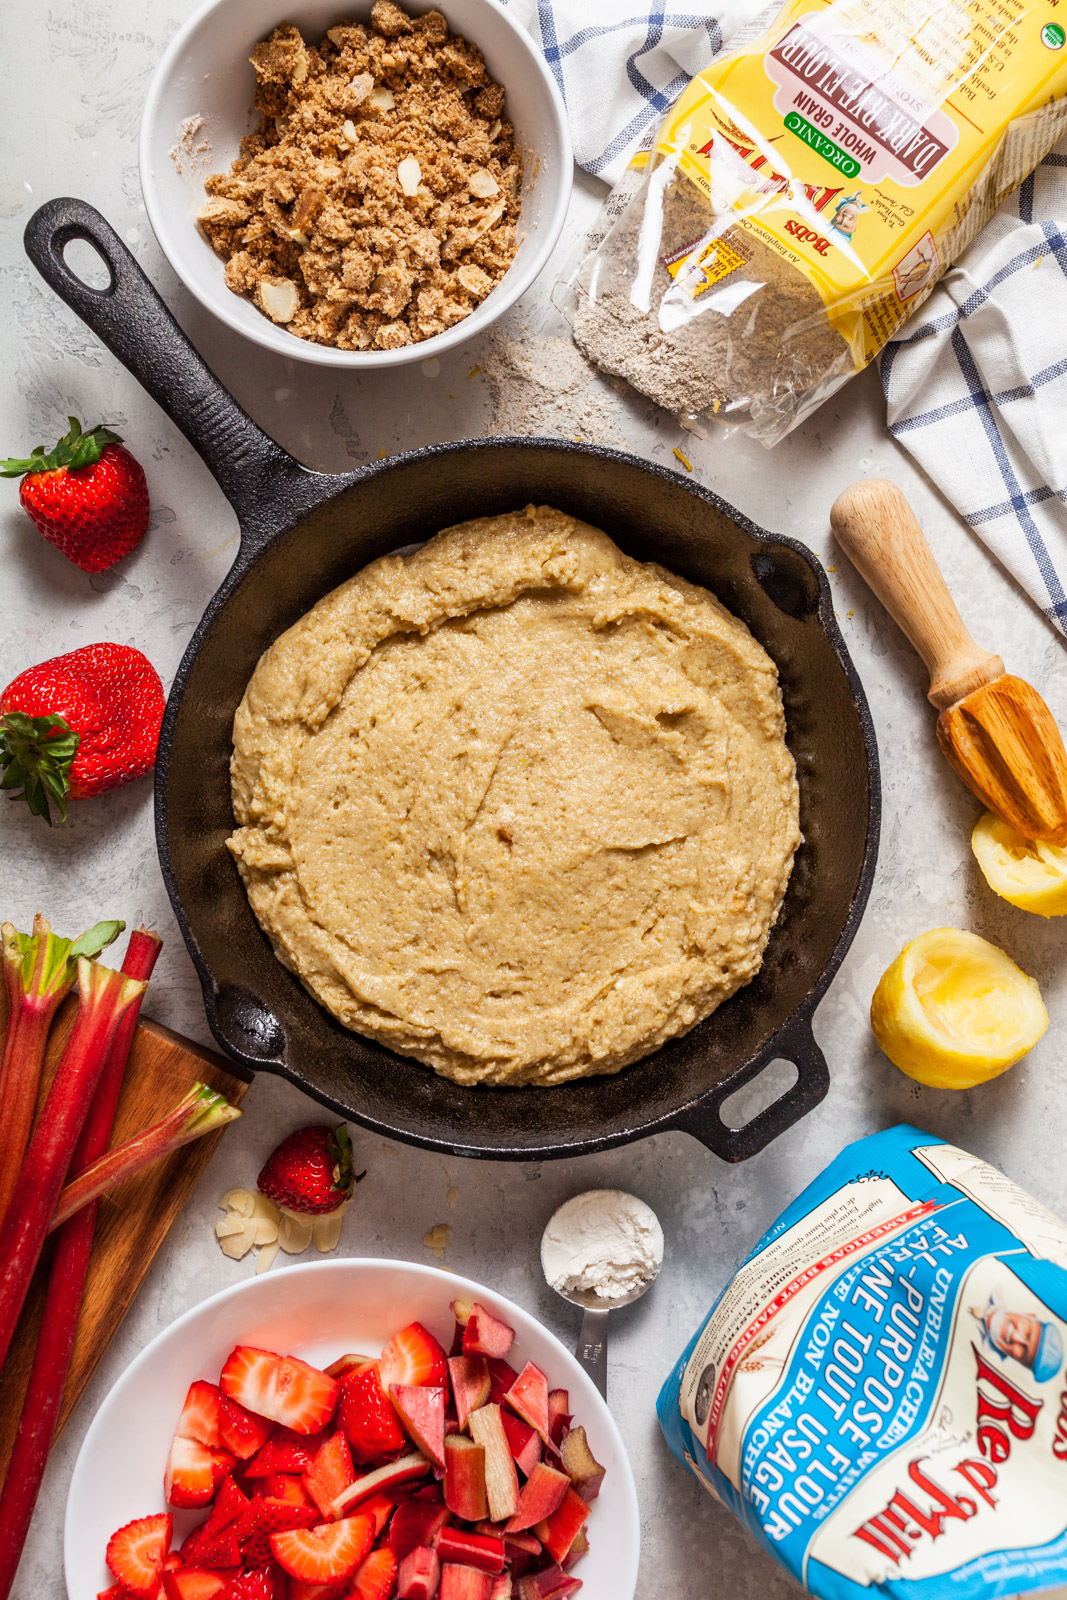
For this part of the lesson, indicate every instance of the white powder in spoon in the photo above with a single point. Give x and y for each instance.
(605, 1242)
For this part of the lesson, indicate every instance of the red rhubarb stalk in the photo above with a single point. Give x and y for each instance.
(39, 973)
(202, 1111)
(66, 1286)
(104, 997)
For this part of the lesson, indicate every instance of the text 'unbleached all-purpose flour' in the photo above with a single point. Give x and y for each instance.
(806, 191)
(879, 1393)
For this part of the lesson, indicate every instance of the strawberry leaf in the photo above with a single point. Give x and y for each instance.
(36, 754)
(75, 449)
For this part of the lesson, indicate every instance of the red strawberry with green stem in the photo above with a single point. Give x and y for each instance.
(311, 1171)
(79, 725)
(87, 496)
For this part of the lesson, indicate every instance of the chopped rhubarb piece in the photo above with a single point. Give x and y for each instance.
(200, 1415)
(523, 1442)
(527, 1542)
(578, 1549)
(190, 1583)
(463, 1583)
(486, 1335)
(559, 1532)
(528, 1398)
(559, 1414)
(387, 1477)
(375, 1577)
(549, 1584)
(327, 1553)
(465, 1494)
(299, 1590)
(422, 1411)
(580, 1464)
(367, 1416)
(419, 1574)
(345, 1364)
(330, 1473)
(456, 1347)
(413, 1357)
(501, 1377)
(416, 1523)
(501, 1479)
(241, 1431)
(501, 1589)
(470, 1385)
(193, 1472)
(283, 1388)
(542, 1492)
(471, 1549)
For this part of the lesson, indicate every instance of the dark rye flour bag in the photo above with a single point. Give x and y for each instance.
(879, 1391)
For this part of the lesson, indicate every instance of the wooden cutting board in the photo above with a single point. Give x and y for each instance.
(134, 1220)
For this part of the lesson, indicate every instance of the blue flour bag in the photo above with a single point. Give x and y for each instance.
(879, 1392)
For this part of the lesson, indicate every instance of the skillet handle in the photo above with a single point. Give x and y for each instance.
(796, 1043)
(265, 485)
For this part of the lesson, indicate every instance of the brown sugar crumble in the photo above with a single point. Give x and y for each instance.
(376, 204)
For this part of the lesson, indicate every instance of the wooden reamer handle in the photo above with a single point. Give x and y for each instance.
(876, 528)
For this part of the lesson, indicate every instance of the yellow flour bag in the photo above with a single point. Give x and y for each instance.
(805, 193)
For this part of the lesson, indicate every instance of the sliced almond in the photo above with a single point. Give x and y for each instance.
(238, 1244)
(483, 184)
(359, 88)
(336, 35)
(240, 1200)
(409, 175)
(300, 67)
(294, 1234)
(349, 130)
(263, 1206)
(381, 99)
(229, 1225)
(327, 1230)
(264, 1230)
(266, 1257)
(494, 131)
(280, 299)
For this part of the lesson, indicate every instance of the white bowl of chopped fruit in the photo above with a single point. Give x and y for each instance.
(359, 1429)
(356, 186)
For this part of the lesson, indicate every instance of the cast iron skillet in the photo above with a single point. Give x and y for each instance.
(302, 533)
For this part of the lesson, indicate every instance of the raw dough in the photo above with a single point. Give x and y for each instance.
(516, 805)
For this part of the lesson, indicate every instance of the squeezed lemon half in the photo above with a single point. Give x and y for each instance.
(953, 1010)
(1026, 872)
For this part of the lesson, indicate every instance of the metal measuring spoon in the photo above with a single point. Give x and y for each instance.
(592, 1347)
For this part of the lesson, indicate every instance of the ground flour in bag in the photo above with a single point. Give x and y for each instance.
(805, 193)
(879, 1392)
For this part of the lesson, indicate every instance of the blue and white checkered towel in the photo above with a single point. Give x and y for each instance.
(976, 386)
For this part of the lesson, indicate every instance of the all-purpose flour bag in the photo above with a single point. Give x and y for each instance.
(879, 1392)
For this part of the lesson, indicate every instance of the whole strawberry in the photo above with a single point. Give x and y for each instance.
(311, 1171)
(78, 725)
(88, 496)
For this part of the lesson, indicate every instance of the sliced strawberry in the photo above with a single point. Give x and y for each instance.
(375, 1576)
(116, 1592)
(285, 1486)
(416, 1523)
(329, 1473)
(255, 1583)
(284, 1451)
(422, 1411)
(213, 1550)
(380, 1507)
(283, 1388)
(193, 1472)
(367, 1416)
(486, 1335)
(136, 1553)
(299, 1590)
(413, 1356)
(241, 1431)
(200, 1415)
(229, 1503)
(189, 1583)
(261, 1519)
(326, 1553)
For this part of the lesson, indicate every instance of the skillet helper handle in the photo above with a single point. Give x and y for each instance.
(796, 1044)
(592, 1349)
(130, 318)
(876, 528)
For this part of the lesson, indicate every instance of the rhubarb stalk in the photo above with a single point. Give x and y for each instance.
(201, 1111)
(104, 997)
(39, 973)
(66, 1287)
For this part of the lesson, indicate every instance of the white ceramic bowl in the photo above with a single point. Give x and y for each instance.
(317, 1311)
(206, 72)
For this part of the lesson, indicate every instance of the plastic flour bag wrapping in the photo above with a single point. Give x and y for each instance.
(879, 1392)
(806, 191)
